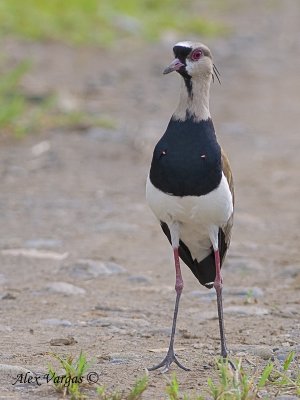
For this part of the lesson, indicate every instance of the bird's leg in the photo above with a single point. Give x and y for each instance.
(170, 357)
(218, 285)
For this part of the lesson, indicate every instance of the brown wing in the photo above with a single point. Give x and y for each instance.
(228, 174)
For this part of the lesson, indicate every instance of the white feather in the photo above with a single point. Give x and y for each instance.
(184, 44)
(197, 218)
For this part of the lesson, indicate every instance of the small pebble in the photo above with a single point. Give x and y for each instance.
(122, 358)
(64, 288)
(263, 352)
(139, 279)
(56, 322)
(9, 372)
(113, 226)
(7, 296)
(119, 322)
(69, 340)
(43, 243)
(40, 148)
(118, 361)
(2, 279)
(246, 310)
(5, 328)
(108, 135)
(87, 268)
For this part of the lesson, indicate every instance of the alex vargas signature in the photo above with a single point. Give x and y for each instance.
(29, 378)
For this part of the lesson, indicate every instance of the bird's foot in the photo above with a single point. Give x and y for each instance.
(224, 355)
(167, 361)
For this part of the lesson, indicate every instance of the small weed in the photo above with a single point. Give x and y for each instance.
(172, 388)
(139, 387)
(239, 385)
(70, 382)
(232, 384)
(135, 394)
(287, 379)
(250, 298)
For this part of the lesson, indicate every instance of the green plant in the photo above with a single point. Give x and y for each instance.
(18, 115)
(139, 387)
(70, 382)
(238, 385)
(286, 379)
(249, 298)
(233, 383)
(135, 394)
(172, 388)
(12, 102)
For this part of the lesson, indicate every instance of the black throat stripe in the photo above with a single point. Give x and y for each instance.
(188, 84)
(187, 159)
(181, 53)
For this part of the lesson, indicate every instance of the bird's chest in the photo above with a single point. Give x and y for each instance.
(186, 162)
(196, 212)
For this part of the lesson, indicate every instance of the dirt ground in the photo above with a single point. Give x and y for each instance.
(73, 211)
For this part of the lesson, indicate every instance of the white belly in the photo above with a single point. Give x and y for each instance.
(198, 217)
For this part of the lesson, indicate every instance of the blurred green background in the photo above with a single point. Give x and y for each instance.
(99, 21)
(81, 23)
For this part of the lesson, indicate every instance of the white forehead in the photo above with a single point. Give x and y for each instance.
(184, 44)
(192, 45)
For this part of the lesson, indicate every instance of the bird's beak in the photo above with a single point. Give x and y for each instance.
(174, 66)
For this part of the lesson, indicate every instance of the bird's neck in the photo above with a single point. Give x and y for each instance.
(193, 100)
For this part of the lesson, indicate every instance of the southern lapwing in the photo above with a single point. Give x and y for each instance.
(190, 186)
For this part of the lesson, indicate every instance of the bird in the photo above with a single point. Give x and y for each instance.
(190, 185)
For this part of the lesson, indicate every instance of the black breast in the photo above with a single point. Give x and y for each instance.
(187, 159)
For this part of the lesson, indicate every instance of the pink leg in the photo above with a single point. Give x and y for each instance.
(170, 357)
(179, 280)
(218, 285)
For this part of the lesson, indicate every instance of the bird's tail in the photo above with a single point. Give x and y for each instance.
(205, 270)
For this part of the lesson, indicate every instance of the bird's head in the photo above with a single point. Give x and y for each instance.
(192, 61)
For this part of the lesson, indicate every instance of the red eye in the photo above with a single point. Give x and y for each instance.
(196, 54)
